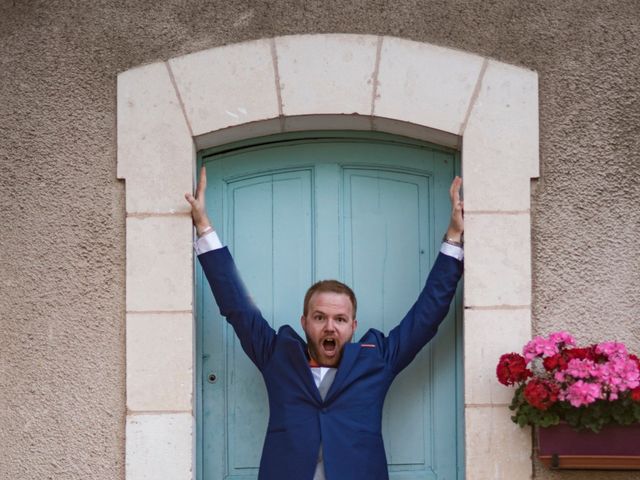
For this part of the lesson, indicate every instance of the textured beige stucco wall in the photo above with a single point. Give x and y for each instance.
(62, 210)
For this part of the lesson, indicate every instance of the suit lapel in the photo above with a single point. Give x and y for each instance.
(299, 362)
(349, 356)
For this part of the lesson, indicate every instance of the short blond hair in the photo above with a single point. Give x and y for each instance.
(332, 286)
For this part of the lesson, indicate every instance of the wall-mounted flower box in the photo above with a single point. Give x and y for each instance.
(585, 401)
(615, 447)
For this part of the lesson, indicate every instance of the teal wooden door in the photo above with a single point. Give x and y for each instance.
(369, 212)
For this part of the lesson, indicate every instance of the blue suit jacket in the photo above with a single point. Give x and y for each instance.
(348, 421)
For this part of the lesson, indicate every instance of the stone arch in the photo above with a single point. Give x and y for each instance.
(167, 111)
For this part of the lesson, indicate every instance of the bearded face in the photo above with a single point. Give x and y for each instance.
(329, 325)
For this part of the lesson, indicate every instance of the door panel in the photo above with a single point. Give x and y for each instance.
(367, 213)
(270, 231)
(387, 255)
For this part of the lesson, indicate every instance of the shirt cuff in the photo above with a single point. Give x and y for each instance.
(206, 243)
(211, 241)
(452, 251)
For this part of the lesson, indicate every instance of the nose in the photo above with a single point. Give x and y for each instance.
(330, 326)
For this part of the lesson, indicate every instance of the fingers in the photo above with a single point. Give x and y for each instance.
(454, 190)
(202, 183)
(456, 225)
(200, 190)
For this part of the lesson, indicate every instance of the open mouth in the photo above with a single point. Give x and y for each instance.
(329, 345)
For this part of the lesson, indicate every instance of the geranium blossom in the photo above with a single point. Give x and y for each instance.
(582, 393)
(512, 369)
(612, 349)
(581, 353)
(553, 362)
(546, 347)
(562, 338)
(582, 368)
(635, 359)
(539, 347)
(541, 394)
(619, 375)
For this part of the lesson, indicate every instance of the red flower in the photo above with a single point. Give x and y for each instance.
(637, 360)
(635, 394)
(512, 368)
(554, 361)
(541, 394)
(581, 354)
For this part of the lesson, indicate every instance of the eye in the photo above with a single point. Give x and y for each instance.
(341, 319)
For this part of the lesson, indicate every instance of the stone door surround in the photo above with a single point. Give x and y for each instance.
(167, 111)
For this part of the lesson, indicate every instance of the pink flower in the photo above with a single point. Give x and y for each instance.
(547, 347)
(560, 376)
(612, 349)
(619, 374)
(539, 347)
(582, 393)
(635, 359)
(562, 338)
(582, 368)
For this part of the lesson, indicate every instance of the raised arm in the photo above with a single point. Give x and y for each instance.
(421, 322)
(255, 334)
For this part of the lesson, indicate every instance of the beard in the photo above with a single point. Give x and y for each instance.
(327, 351)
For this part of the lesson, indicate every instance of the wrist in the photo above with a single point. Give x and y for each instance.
(455, 238)
(202, 228)
(454, 235)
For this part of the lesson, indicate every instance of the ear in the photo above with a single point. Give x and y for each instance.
(303, 322)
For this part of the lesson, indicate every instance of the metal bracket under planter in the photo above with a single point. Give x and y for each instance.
(616, 447)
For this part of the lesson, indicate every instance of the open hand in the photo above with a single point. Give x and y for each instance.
(456, 224)
(198, 207)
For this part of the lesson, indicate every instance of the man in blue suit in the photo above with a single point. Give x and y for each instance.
(325, 393)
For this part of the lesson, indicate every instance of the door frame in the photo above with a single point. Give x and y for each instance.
(167, 111)
(201, 286)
